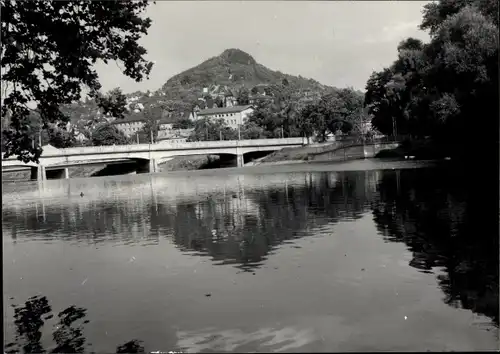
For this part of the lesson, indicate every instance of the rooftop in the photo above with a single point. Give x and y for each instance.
(235, 109)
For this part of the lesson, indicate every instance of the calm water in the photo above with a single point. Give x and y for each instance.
(284, 258)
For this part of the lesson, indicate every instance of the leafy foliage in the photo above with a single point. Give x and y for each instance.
(312, 121)
(184, 123)
(149, 132)
(250, 130)
(243, 96)
(341, 110)
(289, 116)
(61, 138)
(108, 134)
(114, 103)
(219, 102)
(434, 89)
(48, 53)
(210, 130)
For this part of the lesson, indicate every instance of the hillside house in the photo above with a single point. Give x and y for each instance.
(129, 127)
(191, 115)
(230, 100)
(234, 116)
(165, 124)
(79, 136)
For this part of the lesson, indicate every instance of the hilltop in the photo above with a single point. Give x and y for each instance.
(233, 68)
(223, 74)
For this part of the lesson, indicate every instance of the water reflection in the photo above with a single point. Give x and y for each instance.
(435, 217)
(67, 335)
(239, 225)
(244, 221)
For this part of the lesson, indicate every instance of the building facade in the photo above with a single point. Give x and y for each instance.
(233, 116)
(129, 127)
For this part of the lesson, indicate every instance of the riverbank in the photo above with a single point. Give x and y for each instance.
(297, 154)
(418, 150)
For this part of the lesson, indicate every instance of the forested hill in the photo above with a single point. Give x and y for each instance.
(232, 68)
(223, 74)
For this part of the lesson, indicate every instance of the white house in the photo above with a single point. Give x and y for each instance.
(233, 116)
(129, 126)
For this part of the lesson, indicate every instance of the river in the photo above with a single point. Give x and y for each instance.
(359, 256)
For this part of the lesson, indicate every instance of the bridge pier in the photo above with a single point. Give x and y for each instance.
(153, 166)
(147, 166)
(240, 161)
(38, 173)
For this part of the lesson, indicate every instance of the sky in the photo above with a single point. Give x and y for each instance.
(338, 43)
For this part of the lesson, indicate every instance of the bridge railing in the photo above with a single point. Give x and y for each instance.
(177, 145)
(171, 145)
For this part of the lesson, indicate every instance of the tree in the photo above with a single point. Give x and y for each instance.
(209, 101)
(149, 131)
(212, 130)
(219, 102)
(108, 134)
(377, 102)
(341, 109)
(311, 121)
(183, 123)
(288, 111)
(48, 53)
(436, 13)
(250, 130)
(436, 89)
(464, 74)
(243, 96)
(266, 117)
(61, 138)
(114, 103)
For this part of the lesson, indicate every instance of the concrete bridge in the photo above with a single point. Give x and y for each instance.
(54, 163)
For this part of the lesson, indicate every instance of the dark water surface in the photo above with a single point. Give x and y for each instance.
(284, 258)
